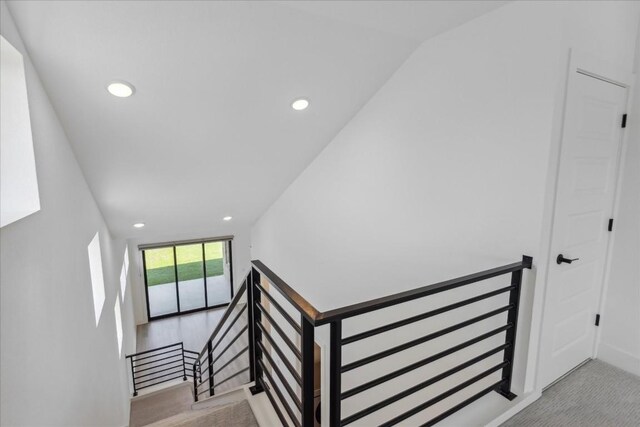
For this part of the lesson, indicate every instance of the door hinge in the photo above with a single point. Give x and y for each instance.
(597, 320)
(610, 227)
(624, 121)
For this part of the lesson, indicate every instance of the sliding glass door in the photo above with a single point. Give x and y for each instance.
(190, 268)
(184, 278)
(218, 289)
(160, 281)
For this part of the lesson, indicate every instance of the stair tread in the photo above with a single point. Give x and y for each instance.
(237, 414)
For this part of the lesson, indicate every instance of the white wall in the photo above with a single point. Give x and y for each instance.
(446, 170)
(620, 339)
(241, 261)
(57, 367)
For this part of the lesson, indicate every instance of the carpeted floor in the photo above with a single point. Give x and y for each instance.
(148, 409)
(595, 395)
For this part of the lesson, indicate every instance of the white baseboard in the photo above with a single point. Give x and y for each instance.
(262, 410)
(619, 358)
(518, 406)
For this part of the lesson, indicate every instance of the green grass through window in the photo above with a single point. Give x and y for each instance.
(160, 268)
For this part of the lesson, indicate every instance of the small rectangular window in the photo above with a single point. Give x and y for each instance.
(123, 273)
(118, 315)
(97, 277)
(19, 196)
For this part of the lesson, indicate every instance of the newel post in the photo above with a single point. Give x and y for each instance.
(335, 363)
(255, 335)
(307, 372)
(512, 319)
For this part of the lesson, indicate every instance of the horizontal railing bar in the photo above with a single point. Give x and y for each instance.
(301, 304)
(400, 297)
(274, 405)
(159, 382)
(282, 356)
(204, 370)
(283, 401)
(282, 334)
(282, 311)
(242, 331)
(444, 395)
(161, 376)
(283, 380)
(421, 340)
(160, 370)
(157, 366)
(420, 386)
(226, 315)
(462, 404)
(190, 351)
(137, 359)
(423, 316)
(231, 360)
(153, 349)
(158, 360)
(233, 322)
(416, 365)
(231, 376)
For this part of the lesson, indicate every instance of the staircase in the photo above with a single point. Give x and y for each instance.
(384, 364)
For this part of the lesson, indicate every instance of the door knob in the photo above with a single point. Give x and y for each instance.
(562, 259)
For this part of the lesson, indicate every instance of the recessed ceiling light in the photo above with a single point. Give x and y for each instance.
(138, 224)
(227, 218)
(121, 89)
(300, 104)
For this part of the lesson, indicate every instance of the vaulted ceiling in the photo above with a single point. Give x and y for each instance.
(209, 131)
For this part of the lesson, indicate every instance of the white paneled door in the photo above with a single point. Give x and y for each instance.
(586, 186)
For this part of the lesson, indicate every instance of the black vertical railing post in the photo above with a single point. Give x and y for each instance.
(195, 381)
(512, 319)
(251, 330)
(210, 364)
(257, 334)
(307, 348)
(184, 363)
(335, 363)
(133, 377)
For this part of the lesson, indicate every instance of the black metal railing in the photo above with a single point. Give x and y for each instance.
(507, 347)
(224, 360)
(280, 326)
(291, 392)
(283, 351)
(159, 365)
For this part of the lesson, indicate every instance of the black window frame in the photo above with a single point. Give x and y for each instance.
(226, 241)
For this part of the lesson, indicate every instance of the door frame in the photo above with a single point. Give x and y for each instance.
(583, 63)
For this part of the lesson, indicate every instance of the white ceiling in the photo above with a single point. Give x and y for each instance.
(209, 131)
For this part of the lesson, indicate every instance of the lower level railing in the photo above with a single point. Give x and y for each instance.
(159, 365)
